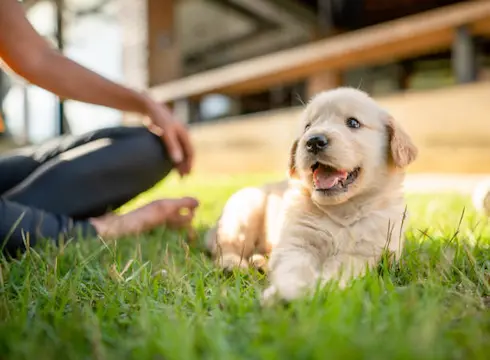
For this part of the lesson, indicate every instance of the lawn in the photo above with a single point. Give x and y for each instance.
(153, 297)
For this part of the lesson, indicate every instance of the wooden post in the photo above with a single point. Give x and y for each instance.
(325, 17)
(404, 72)
(164, 61)
(464, 56)
(164, 55)
(133, 18)
(327, 79)
(323, 81)
(151, 54)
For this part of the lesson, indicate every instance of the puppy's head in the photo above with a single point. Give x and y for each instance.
(348, 146)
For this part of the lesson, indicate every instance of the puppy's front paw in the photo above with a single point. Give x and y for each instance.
(270, 296)
(285, 292)
(259, 262)
(229, 262)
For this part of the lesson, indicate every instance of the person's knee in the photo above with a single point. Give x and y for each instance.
(151, 151)
(138, 143)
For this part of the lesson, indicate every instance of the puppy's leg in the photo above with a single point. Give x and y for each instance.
(294, 273)
(345, 267)
(224, 250)
(232, 242)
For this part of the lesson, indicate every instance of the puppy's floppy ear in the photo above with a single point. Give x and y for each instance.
(402, 150)
(292, 159)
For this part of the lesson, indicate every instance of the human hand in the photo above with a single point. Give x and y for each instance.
(173, 133)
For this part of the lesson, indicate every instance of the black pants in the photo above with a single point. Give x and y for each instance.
(49, 191)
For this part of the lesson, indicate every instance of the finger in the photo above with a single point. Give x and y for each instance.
(187, 147)
(185, 166)
(169, 136)
(155, 129)
(181, 169)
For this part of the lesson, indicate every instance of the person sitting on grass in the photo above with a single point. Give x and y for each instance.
(66, 188)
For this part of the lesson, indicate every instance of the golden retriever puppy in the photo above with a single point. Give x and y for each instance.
(342, 207)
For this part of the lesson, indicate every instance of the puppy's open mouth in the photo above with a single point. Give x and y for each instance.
(329, 180)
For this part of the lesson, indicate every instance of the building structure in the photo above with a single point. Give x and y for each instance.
(233, 68)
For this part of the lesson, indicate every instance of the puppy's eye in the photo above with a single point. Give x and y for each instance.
(307, 126)
(353, 123)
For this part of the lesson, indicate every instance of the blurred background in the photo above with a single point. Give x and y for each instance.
(239, 71)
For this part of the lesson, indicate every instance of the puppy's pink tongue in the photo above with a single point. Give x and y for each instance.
(327, 178)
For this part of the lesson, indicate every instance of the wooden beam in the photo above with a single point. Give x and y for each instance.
(403, 38)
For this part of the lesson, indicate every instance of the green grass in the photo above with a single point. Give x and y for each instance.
(170, 303)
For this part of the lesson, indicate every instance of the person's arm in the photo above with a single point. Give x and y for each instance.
(31, 57)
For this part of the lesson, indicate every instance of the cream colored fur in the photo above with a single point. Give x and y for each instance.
(312, 237)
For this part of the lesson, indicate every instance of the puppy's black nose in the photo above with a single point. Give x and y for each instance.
(316, 143)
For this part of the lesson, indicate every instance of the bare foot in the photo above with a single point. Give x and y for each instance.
(172, 213)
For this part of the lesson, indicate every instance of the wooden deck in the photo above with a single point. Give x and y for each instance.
(450, 125)
(407, 37)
